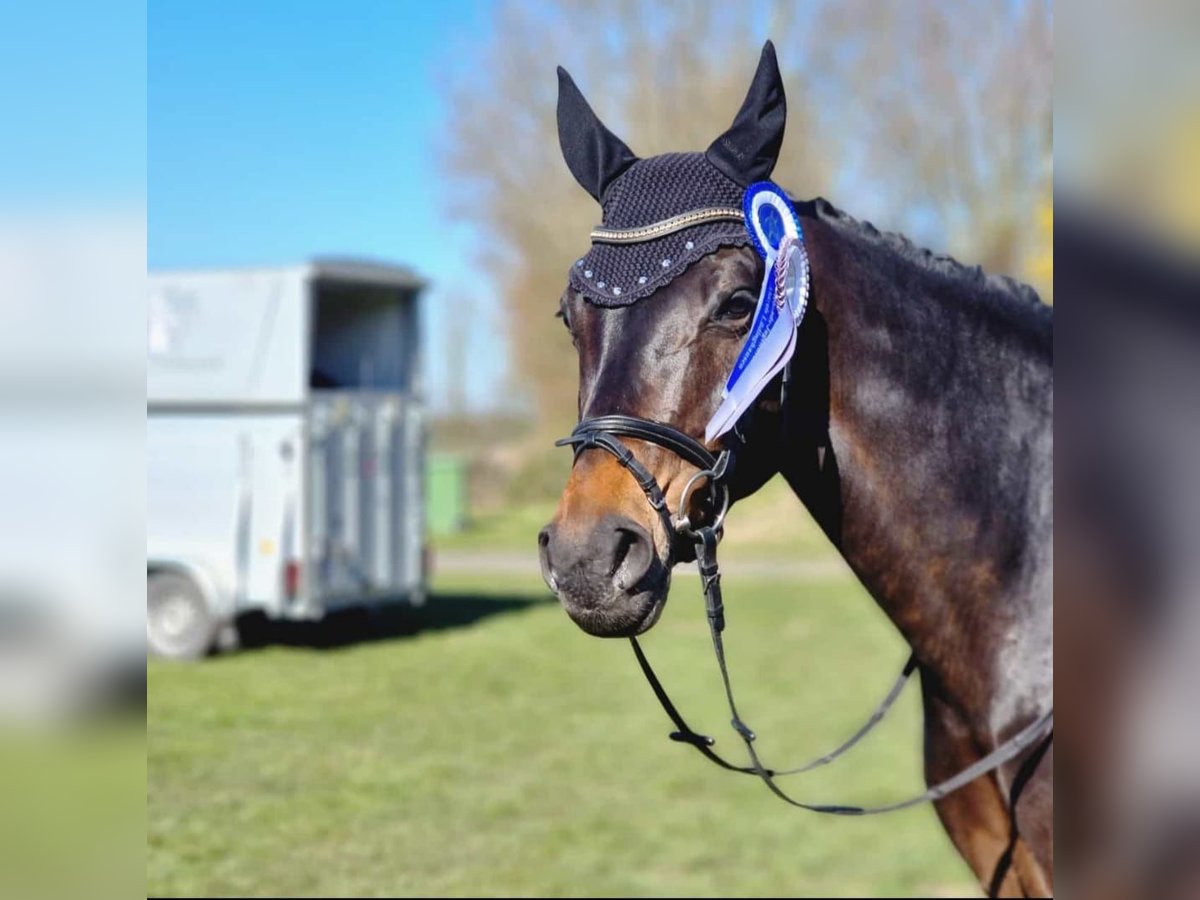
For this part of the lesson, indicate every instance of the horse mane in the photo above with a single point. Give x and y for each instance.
(1012, 299)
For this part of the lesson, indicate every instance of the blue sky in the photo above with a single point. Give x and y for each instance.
(261, 132)
(73, 102)
(282, 130)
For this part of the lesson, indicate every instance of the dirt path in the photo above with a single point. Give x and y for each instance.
(511, 562)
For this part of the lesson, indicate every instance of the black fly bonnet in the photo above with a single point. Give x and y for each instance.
(662, 214)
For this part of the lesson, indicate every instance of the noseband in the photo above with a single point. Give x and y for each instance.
(602, 432)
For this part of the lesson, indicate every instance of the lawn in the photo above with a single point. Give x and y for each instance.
(492, 748)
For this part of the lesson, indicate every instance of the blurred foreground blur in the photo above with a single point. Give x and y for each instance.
(72, 389)
(72, 645)
(1127, 590)
(71, 463)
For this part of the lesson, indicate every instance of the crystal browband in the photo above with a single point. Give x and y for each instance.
(666, 226)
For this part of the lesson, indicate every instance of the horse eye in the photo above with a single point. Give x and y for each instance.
(735, 307)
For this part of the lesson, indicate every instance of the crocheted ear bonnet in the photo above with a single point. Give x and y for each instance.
(661, 214)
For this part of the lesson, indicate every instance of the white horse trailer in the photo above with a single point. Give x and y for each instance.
(285, 446)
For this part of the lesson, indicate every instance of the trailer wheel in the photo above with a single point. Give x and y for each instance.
(179, 624)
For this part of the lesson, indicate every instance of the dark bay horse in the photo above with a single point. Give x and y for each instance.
(917, 431)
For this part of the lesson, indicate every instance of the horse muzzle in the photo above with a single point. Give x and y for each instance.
(609, 579)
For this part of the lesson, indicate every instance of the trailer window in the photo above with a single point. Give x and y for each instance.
(363, 337)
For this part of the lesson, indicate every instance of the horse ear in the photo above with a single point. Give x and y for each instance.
(594, 154)
(747, 152)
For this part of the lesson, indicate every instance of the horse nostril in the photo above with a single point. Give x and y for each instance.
(544, 559)
(633, 554)
(625, 540)
(586, 568)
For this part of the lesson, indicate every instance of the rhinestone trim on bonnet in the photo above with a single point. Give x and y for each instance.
(665, 227)
(659, 216)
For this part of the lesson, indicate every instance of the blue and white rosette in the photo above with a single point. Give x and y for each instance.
(775, 229)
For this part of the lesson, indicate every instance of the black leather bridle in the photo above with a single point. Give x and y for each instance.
(603, 432)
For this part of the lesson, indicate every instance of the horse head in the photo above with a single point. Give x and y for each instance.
(658, 310)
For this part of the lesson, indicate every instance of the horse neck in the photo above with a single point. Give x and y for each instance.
(919, 428)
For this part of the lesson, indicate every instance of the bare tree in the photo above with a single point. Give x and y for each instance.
(951, 107)
(939, 114)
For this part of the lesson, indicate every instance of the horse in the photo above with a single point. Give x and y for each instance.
(916, 428)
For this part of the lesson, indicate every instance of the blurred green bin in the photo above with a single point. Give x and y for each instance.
(446, 494)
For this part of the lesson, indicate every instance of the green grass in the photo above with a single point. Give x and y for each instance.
(498, 750)
(73, 822)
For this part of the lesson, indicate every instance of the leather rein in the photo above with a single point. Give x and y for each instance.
(603, 432)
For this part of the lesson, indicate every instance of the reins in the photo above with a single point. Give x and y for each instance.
(714, 470)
